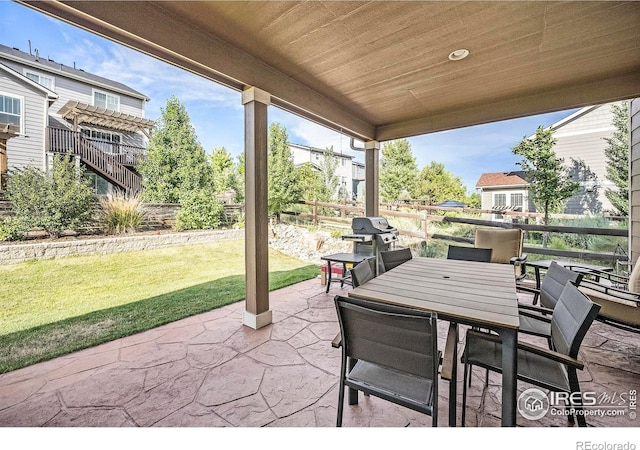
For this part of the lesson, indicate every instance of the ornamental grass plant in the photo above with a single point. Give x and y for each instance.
(121, 213)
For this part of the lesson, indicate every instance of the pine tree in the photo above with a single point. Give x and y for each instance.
(617, 153)
(283, 182)
(175, 161)
(398, 170)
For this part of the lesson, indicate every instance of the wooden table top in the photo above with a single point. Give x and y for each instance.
(474, 292)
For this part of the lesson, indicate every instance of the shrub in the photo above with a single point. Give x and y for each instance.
(9, 230)
(121, 213)
(55, 201)
(199, 210)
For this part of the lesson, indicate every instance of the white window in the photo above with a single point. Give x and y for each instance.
(106, 101)
(500, 200)
(11, 110)
(39, 78)
(516, 200)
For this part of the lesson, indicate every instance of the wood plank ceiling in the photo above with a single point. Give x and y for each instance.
(380, 70)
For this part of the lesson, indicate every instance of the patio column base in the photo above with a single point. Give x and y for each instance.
(257, 321)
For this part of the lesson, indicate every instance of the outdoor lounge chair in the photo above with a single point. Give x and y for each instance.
(506, 246)
(469, 253)
(536, 320)
(550, 369)
(618, 296)
(393, 258)
(389, 352)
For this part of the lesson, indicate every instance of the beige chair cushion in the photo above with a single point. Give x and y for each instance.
(505, 243)
(616, 309)
(634, 278)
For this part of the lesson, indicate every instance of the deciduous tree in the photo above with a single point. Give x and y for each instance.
(550, 184)
(436, 184)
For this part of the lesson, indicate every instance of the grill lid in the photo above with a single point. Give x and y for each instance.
(371, 225)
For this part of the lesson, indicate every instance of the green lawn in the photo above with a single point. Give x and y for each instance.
(52, 307)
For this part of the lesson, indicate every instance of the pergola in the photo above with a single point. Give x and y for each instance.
(377, 70)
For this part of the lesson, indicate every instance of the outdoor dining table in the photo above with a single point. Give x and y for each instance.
(462, 292)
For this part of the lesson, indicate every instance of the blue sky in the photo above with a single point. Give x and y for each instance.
(216, 111)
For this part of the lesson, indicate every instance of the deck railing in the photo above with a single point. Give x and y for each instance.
(110, 165)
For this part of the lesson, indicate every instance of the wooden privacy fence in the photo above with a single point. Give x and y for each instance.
(349, 209)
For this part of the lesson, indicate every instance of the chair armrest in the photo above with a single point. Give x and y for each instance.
(337, 341)
(449, 349)
(535, 315)
(588, 273)
(538, 309)
(622, 294)
(559, 357)
(517, 260)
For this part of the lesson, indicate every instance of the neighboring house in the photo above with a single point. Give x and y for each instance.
(58, 109)
(580, 142)
(504, 191)
(303, 154)
(357, 176)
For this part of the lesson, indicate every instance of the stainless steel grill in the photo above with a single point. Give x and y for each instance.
(372, 235)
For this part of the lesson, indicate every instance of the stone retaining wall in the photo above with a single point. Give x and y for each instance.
(16, 253)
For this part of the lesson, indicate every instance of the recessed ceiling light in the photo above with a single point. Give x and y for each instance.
(459, 54)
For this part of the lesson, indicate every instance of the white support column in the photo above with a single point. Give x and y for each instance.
(372, 169)
(257, 313)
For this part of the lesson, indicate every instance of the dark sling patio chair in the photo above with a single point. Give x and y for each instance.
(393, 258)
(469, 253)
(536, 320)
(389, 352)
(555, 369)
(362, 272)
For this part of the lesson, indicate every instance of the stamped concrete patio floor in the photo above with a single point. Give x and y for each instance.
(211, 371)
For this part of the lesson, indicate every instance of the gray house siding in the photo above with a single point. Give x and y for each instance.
(580, 142)
(70, 89)
(27, 149)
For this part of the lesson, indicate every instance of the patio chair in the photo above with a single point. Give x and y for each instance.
(549, 369)
(506, 246)
(362, 272)
(393, 258)
(389, 352)
(536, 320)
(469, 253)
(618, 296)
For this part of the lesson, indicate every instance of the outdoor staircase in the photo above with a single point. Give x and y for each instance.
(114, 167)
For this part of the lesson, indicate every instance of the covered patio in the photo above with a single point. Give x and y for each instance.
(211, 371)
(374, 71)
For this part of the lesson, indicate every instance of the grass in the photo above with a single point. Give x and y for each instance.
(54, 307)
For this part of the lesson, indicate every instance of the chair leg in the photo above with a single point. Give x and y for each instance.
(464, 391)
(340, 404)
(575, 387)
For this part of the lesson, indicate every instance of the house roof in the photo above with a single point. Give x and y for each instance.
(380, 70)
(498, 179)
(37, 86)
(46, 64)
